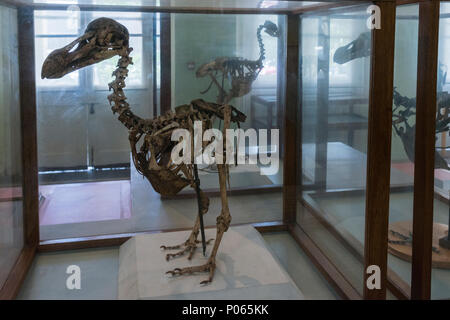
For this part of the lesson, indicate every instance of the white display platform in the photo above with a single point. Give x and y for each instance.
(245, 269)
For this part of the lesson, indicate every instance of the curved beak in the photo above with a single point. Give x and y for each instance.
(358, 48)
(62, 61)
(271, 29)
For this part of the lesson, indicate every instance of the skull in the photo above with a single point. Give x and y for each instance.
(358, 48)
(103, 39)
(271, 29)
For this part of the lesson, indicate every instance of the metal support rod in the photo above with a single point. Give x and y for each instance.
(200, 214)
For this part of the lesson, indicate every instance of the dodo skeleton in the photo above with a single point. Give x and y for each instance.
(105, 38)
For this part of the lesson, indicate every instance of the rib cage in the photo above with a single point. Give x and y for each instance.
(153, 158)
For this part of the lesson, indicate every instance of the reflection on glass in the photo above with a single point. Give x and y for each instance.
(57, 22)
(334, 135)
(11, 219)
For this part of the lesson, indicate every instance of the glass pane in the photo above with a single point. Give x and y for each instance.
(83, 150)
(335, 90)
(11, 218)
(402, 151)
(440, 275)
(57, 22)
(199, 39)
(132, 20)
(89, 176)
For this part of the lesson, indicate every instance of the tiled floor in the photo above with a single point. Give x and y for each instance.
(11, 236)
(305, 275)
(408, 168)
(80, 210)
(47, 277)
(9, 193)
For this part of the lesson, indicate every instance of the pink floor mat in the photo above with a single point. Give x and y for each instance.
(85, 202)
(408, 168)
(10, 193)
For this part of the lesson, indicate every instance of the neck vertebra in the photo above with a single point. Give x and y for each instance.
(117, 99)
(262, 51)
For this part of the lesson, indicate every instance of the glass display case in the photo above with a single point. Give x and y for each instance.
(11, 198)
(344, 151)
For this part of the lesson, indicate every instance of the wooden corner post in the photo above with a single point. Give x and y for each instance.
(28, 125)
(166, 67)
(424, 149)
(30, 183)
(291, 143)
(379, 148)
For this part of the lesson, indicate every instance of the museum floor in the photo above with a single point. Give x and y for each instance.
(72, 210)
(100, 271)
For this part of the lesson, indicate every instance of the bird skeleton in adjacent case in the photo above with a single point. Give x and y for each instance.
(403, 117)
(404, 107)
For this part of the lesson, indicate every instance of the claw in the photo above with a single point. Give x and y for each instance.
(174, 272)
(170, 247)
(208, 267)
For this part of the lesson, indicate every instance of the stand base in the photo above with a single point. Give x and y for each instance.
(444, 242)
(440, 259)
(245, 269)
